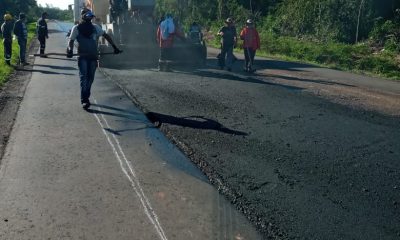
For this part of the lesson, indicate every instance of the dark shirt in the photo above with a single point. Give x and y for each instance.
(7, 29)
(20, 30)
(41, 28)
(228, 39)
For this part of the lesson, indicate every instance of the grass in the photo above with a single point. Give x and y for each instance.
(355, 58)
(6, 70)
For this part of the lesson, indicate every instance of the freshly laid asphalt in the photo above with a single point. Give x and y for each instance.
(298, 164)
(103, 174)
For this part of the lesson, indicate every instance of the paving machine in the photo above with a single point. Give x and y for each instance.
(133, 26)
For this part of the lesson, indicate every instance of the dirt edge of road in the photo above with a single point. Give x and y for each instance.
(11, 96)
(268, 230)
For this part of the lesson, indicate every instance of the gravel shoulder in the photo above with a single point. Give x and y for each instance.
(11, 95)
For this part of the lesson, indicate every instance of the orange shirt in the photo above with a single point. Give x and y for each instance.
(250, 37)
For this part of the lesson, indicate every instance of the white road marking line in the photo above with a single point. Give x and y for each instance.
(150, 213)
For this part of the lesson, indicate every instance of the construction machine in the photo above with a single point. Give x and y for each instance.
(133, 26)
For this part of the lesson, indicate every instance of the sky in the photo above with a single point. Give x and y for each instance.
(63, 4)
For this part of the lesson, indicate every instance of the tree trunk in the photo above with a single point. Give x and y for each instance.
(358, 20)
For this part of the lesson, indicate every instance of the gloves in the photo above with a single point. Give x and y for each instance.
(70, 53)
(117, 51)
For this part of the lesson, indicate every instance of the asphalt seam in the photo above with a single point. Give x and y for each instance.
(132, 177)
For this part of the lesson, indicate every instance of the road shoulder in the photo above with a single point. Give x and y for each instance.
(11, 95)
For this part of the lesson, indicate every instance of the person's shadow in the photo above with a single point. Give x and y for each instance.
(197, 122)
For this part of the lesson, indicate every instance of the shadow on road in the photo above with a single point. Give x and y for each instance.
(113, 108)
(307, 80)
(43, 71)
(60, 58)
(197, 122)
(129, 115)
(55, 31)
(126, 116)
(56, 67)
(238, 77)
(261, 64)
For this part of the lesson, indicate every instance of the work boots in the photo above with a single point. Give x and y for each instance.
(164, 67)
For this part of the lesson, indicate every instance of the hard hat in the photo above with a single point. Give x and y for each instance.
(249, 21)
(87, 15)
(7, 17)
(229, 20)
(84, 10)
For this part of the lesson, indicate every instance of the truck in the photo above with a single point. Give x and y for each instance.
(133, 26)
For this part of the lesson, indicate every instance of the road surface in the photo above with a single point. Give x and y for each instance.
(103, 174)
(305, 152)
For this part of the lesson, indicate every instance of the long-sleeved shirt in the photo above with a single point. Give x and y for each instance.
(20, 30)
(41, 28)
(7, 29)
(250, 38)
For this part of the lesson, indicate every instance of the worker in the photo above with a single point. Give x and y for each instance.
(7, 30)
(70, 30)
(42, 32)
(118, 10)
(166, 33)
(87, 34)
(251, 42)
(195, 33)
(21, 32)
(228, 42)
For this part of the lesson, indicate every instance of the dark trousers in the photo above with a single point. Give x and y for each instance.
(249, 55)
(226, 56)
(7, 43)
(87, 70)
(42, 40)
(22, 49)
(165, 57)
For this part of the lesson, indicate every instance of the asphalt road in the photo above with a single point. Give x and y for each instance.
(103, 174)
(305, 152)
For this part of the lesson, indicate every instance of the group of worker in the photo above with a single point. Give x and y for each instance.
(20, 30)
(229, 40)
(85, 33)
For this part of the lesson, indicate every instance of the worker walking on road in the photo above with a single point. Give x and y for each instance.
(251, 42)
(7, 31)
(228, 43)
(87, 34)
(42, 32)
(166, 33)
(21, 32)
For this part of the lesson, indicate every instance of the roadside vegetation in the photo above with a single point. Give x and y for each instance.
(33, 11)
(354, 35)
(6, 70)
